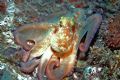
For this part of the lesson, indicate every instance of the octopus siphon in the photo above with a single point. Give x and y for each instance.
(53, 47)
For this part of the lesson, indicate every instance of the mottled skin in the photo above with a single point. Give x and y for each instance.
(63, 61)
(56, 61)
(63, 66)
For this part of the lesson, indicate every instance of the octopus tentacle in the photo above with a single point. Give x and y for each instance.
(24, 55)
(43, 63)
(57, 70)
(35, 43)
(89, 30)
(28, 67)
(53, 63)
(21, 34)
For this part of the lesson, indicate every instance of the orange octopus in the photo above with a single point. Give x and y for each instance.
(53, 47)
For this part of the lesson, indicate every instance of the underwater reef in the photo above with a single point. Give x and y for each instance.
(59, 39)
(112, 36)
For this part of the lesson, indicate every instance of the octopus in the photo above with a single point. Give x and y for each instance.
(112, 37)
(53, 47)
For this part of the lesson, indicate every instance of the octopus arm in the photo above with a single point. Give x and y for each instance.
(43, 63)
(28, 67)
(90, 28)
(24, 55)
(34, 33)
(57, 70)
(33, 38)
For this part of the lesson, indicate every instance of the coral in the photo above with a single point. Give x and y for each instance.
(8, 72)
(3, 6)
(106, 59)
(41, 11)
(76, 3)
(19, 1)
(113, 35)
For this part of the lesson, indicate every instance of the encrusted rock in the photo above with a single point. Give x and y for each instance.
(113, 35)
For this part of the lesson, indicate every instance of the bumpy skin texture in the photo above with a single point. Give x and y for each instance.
(113, 35)
(57, 62)
(62, 62)
(62, 40)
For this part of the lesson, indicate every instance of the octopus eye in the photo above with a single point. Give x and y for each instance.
(60, 23)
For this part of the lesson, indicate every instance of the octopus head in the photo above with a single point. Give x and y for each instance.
(61, 42)
(67, 22)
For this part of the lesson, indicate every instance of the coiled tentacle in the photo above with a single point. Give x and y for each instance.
(58, 69)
